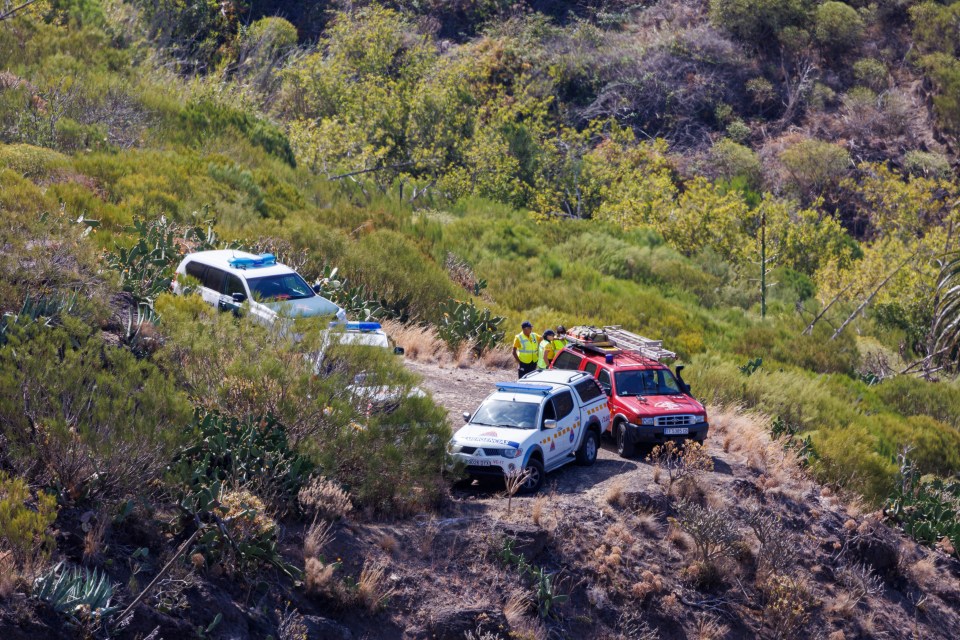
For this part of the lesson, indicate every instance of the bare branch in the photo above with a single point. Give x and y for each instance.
(9, 13)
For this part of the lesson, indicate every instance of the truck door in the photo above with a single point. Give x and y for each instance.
(561, 441)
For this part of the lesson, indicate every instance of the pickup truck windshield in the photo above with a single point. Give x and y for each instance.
(659, 382)
(287, 286)
(507, 413)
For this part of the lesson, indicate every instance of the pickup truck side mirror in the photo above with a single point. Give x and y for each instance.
(398, 351)
(606, 389)
(239, 298)
(466, 416)
(549, 424)
(316, 288)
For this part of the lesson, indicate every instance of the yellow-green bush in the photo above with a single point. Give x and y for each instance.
(24, 520)
(30, 161)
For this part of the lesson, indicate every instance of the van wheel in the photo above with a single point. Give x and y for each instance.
(535, 474)
(587, 453)
(625, 448)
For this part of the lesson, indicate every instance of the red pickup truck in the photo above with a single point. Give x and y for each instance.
(648, 403)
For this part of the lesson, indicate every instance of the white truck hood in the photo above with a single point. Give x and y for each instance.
(482, 435)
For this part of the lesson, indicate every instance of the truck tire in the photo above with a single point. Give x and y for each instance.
(587, 453)
(625, 448)
(535, 480)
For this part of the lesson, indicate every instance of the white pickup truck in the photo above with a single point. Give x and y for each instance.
(538, 424)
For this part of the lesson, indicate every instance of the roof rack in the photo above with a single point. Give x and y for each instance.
(612, 340)
(646, 347)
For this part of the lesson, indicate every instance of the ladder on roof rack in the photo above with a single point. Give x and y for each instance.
(648, 348)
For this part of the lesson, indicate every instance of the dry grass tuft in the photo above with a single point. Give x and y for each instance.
(708, 627)
(419, 342)
(647, 521)
(498, 358)
(96, 531)
(465, 357)
(536, 510)
(319, 535)
(372, 588)
(924, 573)
(389, 543)
(318, 575)
(9, 577)
(325, 499)
(650, 583)
(614, 494)
(431, 528)
(517, 606)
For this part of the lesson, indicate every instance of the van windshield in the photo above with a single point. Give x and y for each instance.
(286, 286)
(507, 413)
(656, 382)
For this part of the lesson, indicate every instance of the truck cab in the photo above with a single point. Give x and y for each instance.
(538, 424)
(649, 404)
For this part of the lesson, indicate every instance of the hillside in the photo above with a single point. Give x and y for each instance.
(768, 186)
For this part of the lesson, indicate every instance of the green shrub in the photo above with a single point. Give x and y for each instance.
(23, 529)
(32, 162)
(250, 454)
(871, 73)
(270, 36)
(814, 166)
(392, 463)
(732, 160)
(837, 26)
(928, 511)
(392, 265)
(912, 396)
(61, 393)
(927, 164)
(757, 21)
(147, 268)
(204, 117)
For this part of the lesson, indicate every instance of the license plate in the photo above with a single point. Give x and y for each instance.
(676, 431)
(482, 463)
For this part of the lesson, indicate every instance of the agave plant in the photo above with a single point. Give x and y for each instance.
(75, 592)
(946, 326)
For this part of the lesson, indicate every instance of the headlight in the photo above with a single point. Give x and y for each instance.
(453, 447)
(510, 453)
(647, 422)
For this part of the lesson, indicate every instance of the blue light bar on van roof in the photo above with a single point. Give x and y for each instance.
(263, 260)
(513, 387)
(363, 326)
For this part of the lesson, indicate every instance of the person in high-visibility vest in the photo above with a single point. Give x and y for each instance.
(526, 348)
(560, 340)
(545, 352)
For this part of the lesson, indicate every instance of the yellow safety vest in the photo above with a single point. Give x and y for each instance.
(559, 344)
(545, 353)
(528, 347)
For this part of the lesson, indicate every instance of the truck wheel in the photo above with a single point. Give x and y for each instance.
(624, 446)
(587, 453)
(535, 473)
